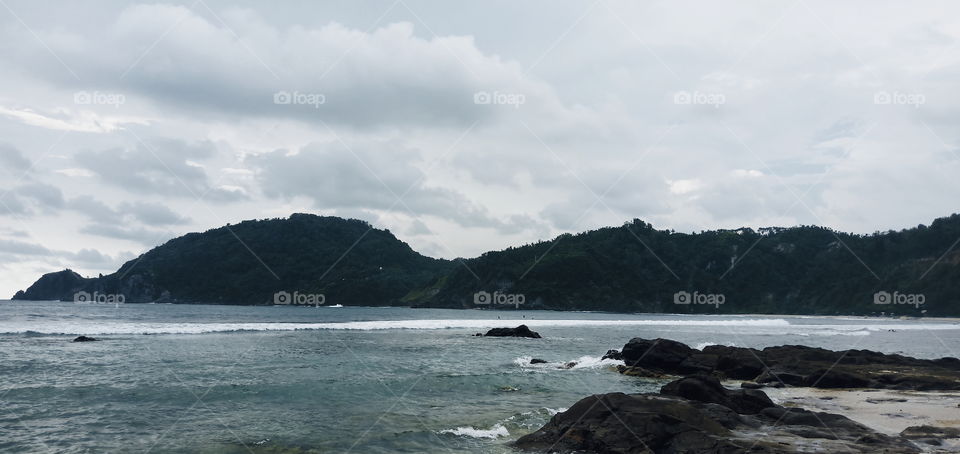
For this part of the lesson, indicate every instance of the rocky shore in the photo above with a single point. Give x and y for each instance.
(790, 365)
(698, 414)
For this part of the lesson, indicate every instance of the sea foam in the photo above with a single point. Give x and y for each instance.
(779, 326)
(494, 432)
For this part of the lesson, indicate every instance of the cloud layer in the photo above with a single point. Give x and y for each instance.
(465, 128)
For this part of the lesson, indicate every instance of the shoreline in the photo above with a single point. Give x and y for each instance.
(886, 411)
(954, 319)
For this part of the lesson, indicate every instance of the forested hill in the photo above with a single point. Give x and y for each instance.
(631, 268)
(248, 263)
(801, 270)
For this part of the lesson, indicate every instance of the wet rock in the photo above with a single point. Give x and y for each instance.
(656, 354)
(84, 339)
(705, 388)
(613, 354)
(520, 331)
(538, 361)
(930, 435)
(691, 416)
(794, 365)
(634, 371)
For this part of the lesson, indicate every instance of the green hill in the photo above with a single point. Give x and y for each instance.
(348, 261)
(801, 270)
(631, 268)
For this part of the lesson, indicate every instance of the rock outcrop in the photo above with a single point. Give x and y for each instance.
(792, 365)
(520, 331)
(698, 415)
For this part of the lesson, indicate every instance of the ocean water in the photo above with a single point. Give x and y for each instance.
(234, 379)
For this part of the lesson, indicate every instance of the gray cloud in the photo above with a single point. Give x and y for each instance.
(12, 160)
(373, 176)
(332, 73)
(166, 168)
(140, 235)
(153, 214)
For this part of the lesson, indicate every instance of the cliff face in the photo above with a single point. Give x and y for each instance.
(54, 286)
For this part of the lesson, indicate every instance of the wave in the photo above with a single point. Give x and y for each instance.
(583, 362)
(494, 432)
(759, 326)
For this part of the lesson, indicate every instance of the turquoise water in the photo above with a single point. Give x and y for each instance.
(220, 379)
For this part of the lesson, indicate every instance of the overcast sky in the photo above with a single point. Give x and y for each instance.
(465, 127)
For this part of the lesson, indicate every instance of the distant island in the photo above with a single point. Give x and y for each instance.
(630, 268)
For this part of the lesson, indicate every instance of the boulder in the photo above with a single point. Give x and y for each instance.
(660, 354)
(84, 339)
(669, 422)
(705, 388)
(520, 331)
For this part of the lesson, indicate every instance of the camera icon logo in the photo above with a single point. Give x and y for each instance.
(882, 97)
(82, 97)
(282, 97)
(681, 297)
(482, 97)
(682, 97)
(882, 297)
(81, 297)
(281, 297)
(482, 297)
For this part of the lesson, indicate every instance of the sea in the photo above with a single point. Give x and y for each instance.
(169, 378)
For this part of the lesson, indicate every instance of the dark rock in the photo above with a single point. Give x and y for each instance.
(649, 422)
(569, 365)
(659, 423)
(705, 388)
(833, 378)
(537, 361)
(930, 435)
(793, 365)
(84, 339)
(662, 354)
(520, 331)
(613, 354)
(780, 377)
(634, 371)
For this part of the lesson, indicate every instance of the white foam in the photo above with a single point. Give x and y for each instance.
(583, 362)
(494, 432)
(760, 326)
(98, 327)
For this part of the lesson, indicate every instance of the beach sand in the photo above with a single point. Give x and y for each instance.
(886, 411)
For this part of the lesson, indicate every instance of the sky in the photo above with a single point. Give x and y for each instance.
(466, 127)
